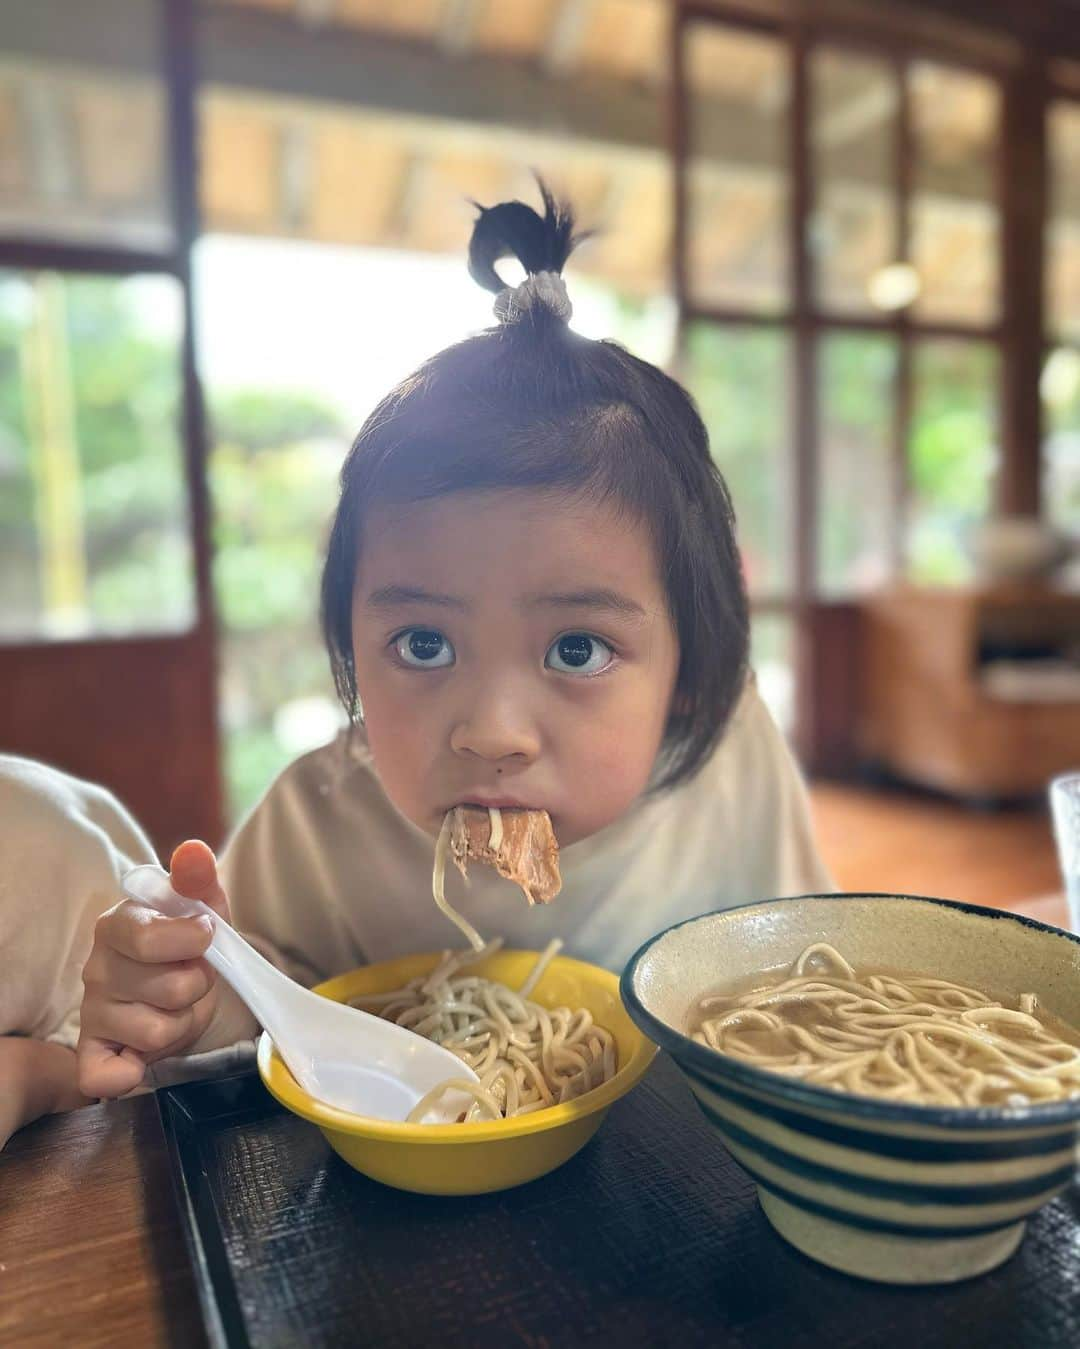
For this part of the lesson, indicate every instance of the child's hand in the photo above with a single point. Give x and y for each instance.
(149, 994)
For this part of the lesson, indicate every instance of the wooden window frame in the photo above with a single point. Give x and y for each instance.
(196, 795)
(1056, 91)
(1018, 334)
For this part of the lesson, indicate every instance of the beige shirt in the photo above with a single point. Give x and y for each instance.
(329, 874)
(64, 844)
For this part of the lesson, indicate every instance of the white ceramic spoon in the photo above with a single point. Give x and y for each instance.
(340, 1055)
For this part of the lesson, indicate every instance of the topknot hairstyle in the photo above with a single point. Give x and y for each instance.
(530, 403)
(540, 243)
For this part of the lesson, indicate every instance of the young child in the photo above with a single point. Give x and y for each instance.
(532, 597)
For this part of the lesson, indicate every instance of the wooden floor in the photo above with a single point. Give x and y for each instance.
(908, 842)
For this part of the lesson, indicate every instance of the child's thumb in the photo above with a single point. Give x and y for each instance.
(107, 1070)
(193, 873)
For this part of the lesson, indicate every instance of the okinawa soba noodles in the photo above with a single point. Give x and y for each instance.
(898, 1037)
(527, 1057)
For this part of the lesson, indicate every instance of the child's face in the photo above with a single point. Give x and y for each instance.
(512, 647)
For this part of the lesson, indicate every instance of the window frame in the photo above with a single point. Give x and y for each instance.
(1017, 333)
(125, 675)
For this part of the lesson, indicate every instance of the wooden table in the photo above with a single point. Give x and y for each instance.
(91, 1249)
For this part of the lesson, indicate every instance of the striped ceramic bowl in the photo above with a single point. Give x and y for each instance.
(898, 1193)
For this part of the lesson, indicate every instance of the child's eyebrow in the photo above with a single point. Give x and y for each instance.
(393, 596)
(603, 598)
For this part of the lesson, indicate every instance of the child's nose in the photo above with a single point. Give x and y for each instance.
(494, 729)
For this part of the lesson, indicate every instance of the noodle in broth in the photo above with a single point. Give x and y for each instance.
(896, 1037)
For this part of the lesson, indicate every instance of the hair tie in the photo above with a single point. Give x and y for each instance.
(546, 289)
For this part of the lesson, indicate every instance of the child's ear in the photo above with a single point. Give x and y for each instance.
(681, 705)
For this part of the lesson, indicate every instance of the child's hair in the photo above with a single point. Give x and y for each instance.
(531, 404)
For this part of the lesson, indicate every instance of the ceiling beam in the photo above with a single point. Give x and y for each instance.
(457, 26)
(295, 175)
(567, 31)
(331, 70)
(315, 13)
(53, 157)
(267, 54)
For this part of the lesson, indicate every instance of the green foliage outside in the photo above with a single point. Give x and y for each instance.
(273, 481)
(118, 385)
(739, 378)
(952, 454)
(1061, 482)
(856, 380)
(742, 382)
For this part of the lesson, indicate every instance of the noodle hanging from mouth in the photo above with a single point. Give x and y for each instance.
(896, 1037)
(527, 1057)
(438, 889)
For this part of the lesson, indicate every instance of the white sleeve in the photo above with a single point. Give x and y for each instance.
(64, 844)
(781, 855)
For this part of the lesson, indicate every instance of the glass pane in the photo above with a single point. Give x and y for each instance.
(772, 656)
(1063, 231)
(82, 154)
(273, 475)
(852, 134)
(737, 179)
(857, 378)
(955, 212)
(953, 455)
(94, 531)
(1060, 386)
(739, 377)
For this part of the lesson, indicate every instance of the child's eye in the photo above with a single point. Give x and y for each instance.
(578, 653)
(423, 648)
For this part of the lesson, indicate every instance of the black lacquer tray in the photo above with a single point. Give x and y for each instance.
(651, 1236)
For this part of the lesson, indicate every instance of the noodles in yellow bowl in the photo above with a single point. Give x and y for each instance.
(474, 1158)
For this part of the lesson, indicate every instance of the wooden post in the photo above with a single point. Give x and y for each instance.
(1023, 179)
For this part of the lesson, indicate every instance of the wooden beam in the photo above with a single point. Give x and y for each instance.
(1051, 27)
(294, 177)
(315, 12)
(914, 28)
(53, 160)
(457, 25)
(266, 54)
(564, 39)
(334, 71)
(1023, 168)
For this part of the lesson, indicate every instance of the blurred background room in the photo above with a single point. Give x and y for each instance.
(853, 229)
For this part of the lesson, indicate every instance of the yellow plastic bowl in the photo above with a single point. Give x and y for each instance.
(473, 1158)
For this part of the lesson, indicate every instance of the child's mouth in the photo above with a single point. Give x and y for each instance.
(496, 803)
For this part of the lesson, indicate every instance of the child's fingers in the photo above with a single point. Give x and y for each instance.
(103, 1071)
(143, 934)
(193, 873)
(171, 987)
(150, 1031)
